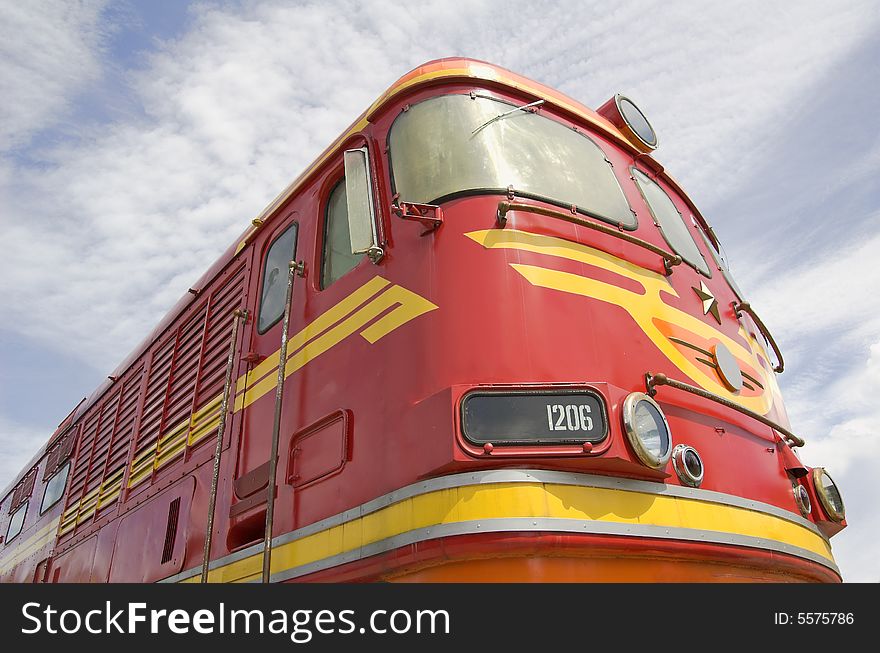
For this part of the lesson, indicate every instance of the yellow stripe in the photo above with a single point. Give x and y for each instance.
(525, 500)
(320, 324)
(643, 307)
(173, 434)
(204, 430)
(203, 412)
(68, 520)
(34, 543)
(408, 305)
(171, 444)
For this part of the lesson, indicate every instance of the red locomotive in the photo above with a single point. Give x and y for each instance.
(484, 337)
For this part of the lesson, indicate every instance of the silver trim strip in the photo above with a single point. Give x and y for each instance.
(488, 477)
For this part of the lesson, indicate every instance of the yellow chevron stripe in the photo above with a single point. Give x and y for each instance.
(405, 304)
(320, 324)
(643, 307)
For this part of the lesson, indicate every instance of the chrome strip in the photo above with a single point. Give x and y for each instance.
(548, 524)
(510, 476)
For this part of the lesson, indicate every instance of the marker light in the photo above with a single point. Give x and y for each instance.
(802, 498)
(688, 465)
(829, 495)
(647, 430)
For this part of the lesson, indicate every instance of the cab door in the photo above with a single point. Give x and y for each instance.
(255, 394)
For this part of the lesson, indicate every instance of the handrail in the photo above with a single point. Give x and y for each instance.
(237, 315)
(652, 380)
(669, 259)
(294, 268)
(747, 308)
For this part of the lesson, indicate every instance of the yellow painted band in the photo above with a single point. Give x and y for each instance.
(318, 337)
(525, 500)
(34, 543)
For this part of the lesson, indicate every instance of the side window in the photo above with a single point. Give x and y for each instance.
(670, 222)
(721, 262)
(16, 522)
(278, 258)
(337, 258)
(54, 488)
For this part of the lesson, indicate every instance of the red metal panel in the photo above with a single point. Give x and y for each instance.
(140, 541)
(75, 565)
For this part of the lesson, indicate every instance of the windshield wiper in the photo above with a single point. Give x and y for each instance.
(507, 113)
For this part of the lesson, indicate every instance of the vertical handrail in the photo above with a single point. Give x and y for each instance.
(293, 268)
(237, 315)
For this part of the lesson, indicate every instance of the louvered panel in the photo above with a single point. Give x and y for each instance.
(79, 472)
(125, 423)
(83, 455)
(183, 385)
(102, 441)
(23, 490)
(213, 369)
(157, 387)
(183, 382)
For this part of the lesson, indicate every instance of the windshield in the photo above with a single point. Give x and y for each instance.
(457, 143)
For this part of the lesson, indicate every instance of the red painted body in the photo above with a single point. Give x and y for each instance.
(362, 420)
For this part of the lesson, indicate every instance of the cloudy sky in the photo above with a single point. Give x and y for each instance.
(138, 138)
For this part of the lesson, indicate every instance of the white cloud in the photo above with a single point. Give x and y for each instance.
(18, 444)
(50, 49)
(849, 448)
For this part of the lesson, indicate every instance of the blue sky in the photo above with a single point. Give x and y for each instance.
(137, 139)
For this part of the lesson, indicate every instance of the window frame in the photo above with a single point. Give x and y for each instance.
(44, 508)
(657, 222)
(265, 258)
(339, 180)
(23, 506)
(470, 192)
(719, 259)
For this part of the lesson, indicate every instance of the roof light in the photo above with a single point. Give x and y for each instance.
(629, 119)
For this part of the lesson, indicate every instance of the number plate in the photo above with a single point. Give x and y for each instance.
(534, 417)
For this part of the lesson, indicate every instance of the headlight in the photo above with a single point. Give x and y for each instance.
(802, 498)
(688, 465)
(829, 495)
(647, 430)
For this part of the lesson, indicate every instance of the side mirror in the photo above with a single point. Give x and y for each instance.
(359, 197)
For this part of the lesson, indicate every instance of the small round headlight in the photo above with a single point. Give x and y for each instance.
(802, 498)
(829, 495)
(688, 465)
(647, 430)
